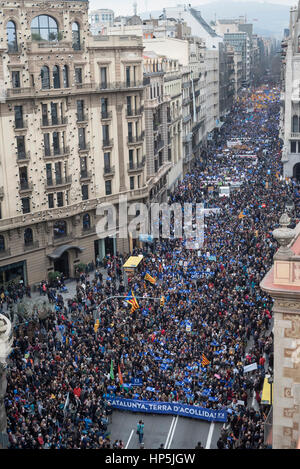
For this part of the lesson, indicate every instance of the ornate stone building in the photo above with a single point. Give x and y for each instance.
(72, 136)
(282, 282)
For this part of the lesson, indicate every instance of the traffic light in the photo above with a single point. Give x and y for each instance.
(162, 301)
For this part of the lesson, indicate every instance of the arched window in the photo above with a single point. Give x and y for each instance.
(76, 36)
(56, 77)
(2, 243)
(66, 76)
(45, 77)
(44, 28)
(86, 222)
(11, 33)
(60, 229)
(28, 237)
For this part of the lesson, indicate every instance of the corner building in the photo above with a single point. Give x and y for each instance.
(72, 127)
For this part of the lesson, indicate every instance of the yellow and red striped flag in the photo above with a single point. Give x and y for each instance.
(204, 360)
(150, 279)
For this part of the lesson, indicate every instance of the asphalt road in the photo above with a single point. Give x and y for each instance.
(173, 432)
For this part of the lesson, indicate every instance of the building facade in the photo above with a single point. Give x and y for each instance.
(72, 126)
(290, 98)
(282, 283)
(100, 20)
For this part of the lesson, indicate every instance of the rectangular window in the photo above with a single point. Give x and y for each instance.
(139, 182)
(56, 148)
(104, 107)
(21, 147)
(155, 166)
(19, 117)
(78, 75)
(107, 161)
(60, 199)
(15, 78)
(25, 205)
(47, 144)
(45, 114)
(49, 174)
(105, 133)
(129, 131)
(132, 182)
(129, 108)
(58, 175)
(107, 187)
(103, 78)
(128, 76)
(293, 147)
(80, 110)
(83, 167)
(85, 192)
(50, 201)
(131, 159)
(81, 138)
(54, 116)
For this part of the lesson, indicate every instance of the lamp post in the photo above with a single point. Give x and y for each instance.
(5, 349)
(270, 381)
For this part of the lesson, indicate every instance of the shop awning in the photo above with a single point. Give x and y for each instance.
(58, 252)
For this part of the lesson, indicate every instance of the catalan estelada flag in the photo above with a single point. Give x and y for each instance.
(150, 279)
(204, 360)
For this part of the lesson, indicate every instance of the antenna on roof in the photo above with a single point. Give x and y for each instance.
(135, 8)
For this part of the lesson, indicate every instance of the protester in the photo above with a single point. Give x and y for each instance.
(62, 375)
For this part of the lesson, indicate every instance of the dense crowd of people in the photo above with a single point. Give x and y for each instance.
(60, 379)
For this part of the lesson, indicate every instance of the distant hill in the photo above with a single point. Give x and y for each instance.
(272, 18)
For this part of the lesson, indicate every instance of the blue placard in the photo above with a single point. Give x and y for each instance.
(136, 382)
(173, 408)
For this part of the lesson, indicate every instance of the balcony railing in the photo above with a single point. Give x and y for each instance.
(106, 115)
(45, 122)
(135, 112)
(107, 143)
(136, 138)
(108, 171)
(84, 147)
(20, 124)
(118, 85)
(132, 167)
(158, 146)
(23, 156)
(85, 175)
(25, 186)
(81, 117)
(63, 181)
(63, 238)
(57, 153)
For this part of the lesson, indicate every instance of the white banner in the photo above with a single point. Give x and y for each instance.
(251, 367)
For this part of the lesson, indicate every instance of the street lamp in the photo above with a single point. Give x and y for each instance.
(270, 381)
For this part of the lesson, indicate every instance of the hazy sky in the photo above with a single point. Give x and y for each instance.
(124, 7)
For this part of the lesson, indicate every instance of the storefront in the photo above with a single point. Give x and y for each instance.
(13, 273)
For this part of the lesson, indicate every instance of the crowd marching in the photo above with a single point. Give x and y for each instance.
(192, 346)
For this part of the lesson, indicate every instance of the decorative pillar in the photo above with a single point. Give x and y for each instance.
(5, 349)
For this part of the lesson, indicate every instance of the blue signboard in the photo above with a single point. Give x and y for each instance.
(167, 408)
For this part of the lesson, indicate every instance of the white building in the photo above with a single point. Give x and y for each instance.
(290, 99)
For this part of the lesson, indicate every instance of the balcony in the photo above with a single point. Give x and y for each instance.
(158, 146)
(295, 135)
(54, 122)
(85, 175)
(1, 192)
(31, 246)
(58, 182)
(135, 112)
(84, 147)
(108, 171)
(119, 85)
(56, 153)
(20, 124)
(23, 156)
(135, 139)
(81, 118)
(25, 186)
(105, 115)
(136, 167)
(107, 143)
(88, 231)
